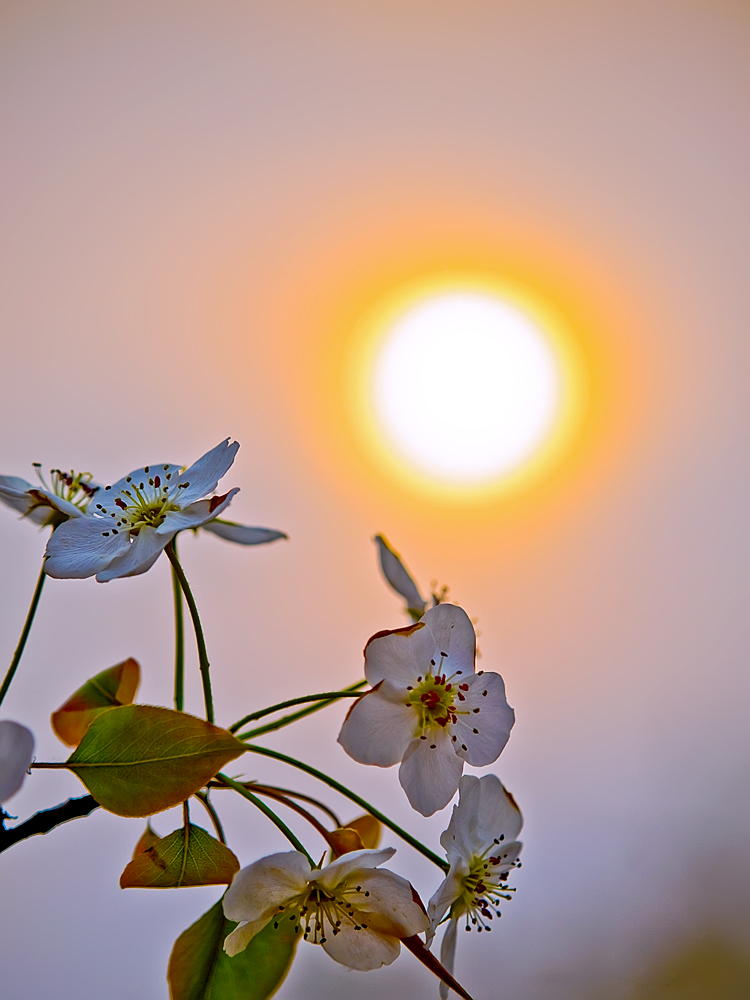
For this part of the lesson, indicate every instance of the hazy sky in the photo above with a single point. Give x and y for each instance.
(199, 203)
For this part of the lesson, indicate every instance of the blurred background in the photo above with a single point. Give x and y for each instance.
(200, 204)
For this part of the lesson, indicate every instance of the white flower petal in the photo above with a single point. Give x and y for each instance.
(446, 894)
(497, 813)
(485, 813)
(47, 499)
(485, 731)
(362, 949)
(430, 772)
(400, 656)
(507, 855)
(390, 907)
(143, 552)
(448, 954)
(462, 838)
(397, 575)
(454, 635)
(41, 514)
(243, 534)
(16, 753)
(362, 860)
(243, 934)
(265, 885)
(81, 547)
(195, 514)
(377, 730)
(15, 484)
(14, 493)
(167, 472)
(203, 476)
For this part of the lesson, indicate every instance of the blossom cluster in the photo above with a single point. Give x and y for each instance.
(427, 709)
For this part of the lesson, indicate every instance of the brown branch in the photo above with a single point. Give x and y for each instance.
(46, 820)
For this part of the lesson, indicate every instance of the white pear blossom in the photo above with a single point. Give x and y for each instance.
(129, 523)
(481, 846)
(69, 496)
(358, 912)
(428, 708)
(16, 753)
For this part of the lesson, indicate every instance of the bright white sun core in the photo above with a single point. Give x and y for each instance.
(467, 387)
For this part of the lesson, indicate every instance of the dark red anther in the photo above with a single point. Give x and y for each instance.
(157, 482)
(121, 503)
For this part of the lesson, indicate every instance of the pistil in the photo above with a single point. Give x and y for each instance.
(437, 698)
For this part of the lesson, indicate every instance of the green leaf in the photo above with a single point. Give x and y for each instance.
(137, 760)
(186, 857)
(200, 969)
(109, 689)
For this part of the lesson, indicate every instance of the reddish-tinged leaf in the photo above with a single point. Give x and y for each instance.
(200, 969)
(186, 857)
(343, 840)
(137, 760)
(111, 688)
(149, 837)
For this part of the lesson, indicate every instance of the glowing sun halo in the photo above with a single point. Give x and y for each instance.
(466, 386)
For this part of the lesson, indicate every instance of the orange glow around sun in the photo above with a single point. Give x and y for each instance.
(366, 343)
(339, 304)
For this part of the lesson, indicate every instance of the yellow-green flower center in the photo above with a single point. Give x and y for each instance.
(143, 504)
(483, 888)
(437, 699)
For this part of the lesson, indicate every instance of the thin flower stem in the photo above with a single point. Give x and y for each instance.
(290, 793)
(306, 798)
(179, 637)
(350, 692)
(277, 794)
(24, 635)
(268, 811)
(200, 641)
(332, 783)
(203, 799)
(323, 700)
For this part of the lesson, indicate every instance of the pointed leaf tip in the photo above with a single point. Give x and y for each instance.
(148, 839)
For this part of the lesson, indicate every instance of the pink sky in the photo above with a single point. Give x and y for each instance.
(198, 202)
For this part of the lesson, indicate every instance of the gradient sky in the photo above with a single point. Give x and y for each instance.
(201, 204)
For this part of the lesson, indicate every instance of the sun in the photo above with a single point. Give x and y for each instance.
(467, 387)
